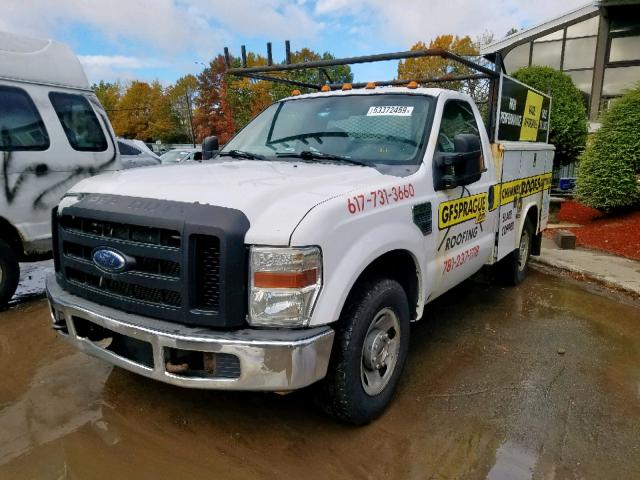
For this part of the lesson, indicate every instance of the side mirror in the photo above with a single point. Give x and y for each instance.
(462, 166)
(210, 147)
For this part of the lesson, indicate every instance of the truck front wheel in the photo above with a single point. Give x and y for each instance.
(9, 273)
(369, 352)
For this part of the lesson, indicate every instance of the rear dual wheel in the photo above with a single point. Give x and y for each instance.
(512, 269)
(369, 352)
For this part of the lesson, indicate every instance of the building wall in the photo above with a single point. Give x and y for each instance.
(600, 52)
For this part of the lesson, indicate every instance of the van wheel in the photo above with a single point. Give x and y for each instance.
(513, 268)
(369, 353)
(9, 273)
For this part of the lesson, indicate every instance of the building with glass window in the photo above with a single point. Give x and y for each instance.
(597, 45)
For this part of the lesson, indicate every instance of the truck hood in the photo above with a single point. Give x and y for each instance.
(273, 195)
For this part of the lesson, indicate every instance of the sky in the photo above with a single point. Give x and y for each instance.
(166, 39)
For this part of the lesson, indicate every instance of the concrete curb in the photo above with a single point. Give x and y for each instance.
(618, 273)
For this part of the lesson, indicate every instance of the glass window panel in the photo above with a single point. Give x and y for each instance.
(517, 58)
(547, 54)
(624, 26)
(583, 80)
(584, 29)
(21, 127)
(552, 36)
(624, 48)
(579, 53)
(617, 80)
(79, 122)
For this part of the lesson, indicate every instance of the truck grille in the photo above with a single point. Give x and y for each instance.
(175, 258)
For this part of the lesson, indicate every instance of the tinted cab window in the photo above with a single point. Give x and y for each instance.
(79, 122)
(21, 127)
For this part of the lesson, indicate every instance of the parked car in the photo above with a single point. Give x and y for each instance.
(134, 153)
(182, 155)
(53, 133)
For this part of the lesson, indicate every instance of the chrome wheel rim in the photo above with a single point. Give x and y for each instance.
(380, 351)
(523, 251)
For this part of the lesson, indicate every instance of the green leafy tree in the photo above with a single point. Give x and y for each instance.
(608, 167)
(568, 114)
(182, 96)
(109, 95)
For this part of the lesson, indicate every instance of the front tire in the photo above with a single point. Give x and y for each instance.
(369, 352)
(9, 273)
(513, 268)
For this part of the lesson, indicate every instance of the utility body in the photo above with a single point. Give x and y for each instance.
(302, 251)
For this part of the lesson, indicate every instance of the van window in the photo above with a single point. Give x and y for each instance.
(79, 122)
(126, 149)
(21, 127)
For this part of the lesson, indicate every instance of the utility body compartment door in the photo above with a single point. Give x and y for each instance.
(525, 183)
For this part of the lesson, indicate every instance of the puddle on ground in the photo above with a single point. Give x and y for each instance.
(513, 462)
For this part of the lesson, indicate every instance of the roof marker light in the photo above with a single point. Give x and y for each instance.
(412, 84)
(347, 86)
(370, 85)
(325, 88)
(295, 93)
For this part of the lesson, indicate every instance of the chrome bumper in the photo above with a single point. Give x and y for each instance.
(269, 360)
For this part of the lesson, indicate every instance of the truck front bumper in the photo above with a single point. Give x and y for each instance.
(248, 359)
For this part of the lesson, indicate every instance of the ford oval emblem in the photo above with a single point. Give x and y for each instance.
(109, 260)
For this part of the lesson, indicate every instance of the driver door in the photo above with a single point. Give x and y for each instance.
(465, 221)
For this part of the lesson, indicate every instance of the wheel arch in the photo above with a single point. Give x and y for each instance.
(394, 264)
(12, 236)
(532, 214)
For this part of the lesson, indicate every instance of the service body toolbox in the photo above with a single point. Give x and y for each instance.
(301, 252)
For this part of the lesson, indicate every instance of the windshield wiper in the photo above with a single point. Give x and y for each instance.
(242, 154)
(310, 155)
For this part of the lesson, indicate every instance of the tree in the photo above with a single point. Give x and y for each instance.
(608, 166)
(213, 114)
(568, 114)
(511, 31)
(109, 95)
(182, 96)
(143, 112)
(435, 67)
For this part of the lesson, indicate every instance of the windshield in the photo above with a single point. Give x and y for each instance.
(369, 129)
(174, 156)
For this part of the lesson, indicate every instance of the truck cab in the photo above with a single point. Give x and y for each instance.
(53, 133)
(300, 254)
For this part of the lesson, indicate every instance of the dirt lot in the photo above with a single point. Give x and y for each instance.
(487, 393)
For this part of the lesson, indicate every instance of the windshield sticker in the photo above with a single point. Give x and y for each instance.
(390, 110)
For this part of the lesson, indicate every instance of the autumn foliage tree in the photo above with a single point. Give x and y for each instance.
(213, 115)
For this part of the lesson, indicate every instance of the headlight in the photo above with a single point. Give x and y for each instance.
(285, 283)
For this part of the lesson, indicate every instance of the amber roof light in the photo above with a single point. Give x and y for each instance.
(295, 93)
(347, 86)
(412, 84)
(325, 88)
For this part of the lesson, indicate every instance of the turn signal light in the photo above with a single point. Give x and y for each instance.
(325, 88)
(285, 279)
(347, 86)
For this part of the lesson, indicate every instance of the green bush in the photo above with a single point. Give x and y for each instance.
(568, 115)
(607, 175)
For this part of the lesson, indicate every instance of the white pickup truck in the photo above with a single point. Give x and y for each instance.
(304, 249)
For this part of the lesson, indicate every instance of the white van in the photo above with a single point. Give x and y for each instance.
(53, 133)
